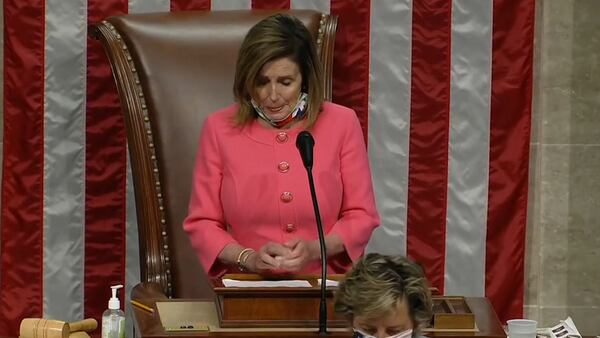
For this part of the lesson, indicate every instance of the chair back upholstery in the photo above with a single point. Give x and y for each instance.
(171, 70)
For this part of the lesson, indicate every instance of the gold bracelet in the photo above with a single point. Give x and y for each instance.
(244, 259)
(239, 258)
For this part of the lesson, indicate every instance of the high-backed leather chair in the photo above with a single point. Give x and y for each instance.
(171, 70)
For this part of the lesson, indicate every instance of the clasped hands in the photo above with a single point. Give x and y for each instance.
(290, 256)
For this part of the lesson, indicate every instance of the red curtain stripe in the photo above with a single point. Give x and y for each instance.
(512, 60)
(105, 172)
(189, 5)
(23, 164)
(351, 58)
(270, 4)
(429, 132)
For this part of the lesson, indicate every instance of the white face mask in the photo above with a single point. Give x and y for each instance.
(296, 113)
(403, 334)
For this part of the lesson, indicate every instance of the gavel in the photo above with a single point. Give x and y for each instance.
(46, 328)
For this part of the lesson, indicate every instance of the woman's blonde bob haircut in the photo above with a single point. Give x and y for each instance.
(379, 283)
(276, 37)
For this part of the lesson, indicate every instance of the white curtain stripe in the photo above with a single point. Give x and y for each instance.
(64, 156)
(149, 6)
(469, 147)
(322, 6)
(218, 5)
(389, 119)
(132, 258)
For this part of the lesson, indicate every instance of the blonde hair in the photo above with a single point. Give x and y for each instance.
(378, 283)
(276, 37)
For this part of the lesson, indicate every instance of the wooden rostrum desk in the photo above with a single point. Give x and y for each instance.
(149, 324)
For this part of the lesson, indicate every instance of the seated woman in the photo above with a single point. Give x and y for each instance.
(385, 296)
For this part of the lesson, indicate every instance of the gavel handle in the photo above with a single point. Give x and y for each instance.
(87, 325)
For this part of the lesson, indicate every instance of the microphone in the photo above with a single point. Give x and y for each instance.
(305, 144)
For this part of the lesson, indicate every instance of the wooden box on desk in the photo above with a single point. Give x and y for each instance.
(452, 313)
(274, 307)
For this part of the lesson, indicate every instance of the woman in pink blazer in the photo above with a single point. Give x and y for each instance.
(251, 207)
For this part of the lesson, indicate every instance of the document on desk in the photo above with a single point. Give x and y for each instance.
(290, 283)
(329, 283)
(564, 329)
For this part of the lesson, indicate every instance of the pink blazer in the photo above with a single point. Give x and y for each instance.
(250, 187)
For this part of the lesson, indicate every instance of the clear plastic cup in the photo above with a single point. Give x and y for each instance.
(521, 328)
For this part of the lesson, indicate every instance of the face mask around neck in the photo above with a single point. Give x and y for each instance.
(296, 114)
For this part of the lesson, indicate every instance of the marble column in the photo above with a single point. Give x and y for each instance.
(563, 252)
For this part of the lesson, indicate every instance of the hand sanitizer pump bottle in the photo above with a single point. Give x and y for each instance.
(113, 319)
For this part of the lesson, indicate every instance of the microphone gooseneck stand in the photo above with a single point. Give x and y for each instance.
(305, 144)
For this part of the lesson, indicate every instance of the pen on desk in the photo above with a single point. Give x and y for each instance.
(142, 306)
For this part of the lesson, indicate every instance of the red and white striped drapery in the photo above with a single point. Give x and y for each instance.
(442, 88)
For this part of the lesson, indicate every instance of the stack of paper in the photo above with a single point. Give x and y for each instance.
(289, 283)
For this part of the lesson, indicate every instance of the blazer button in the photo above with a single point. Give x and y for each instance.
(290, 228)
(283, 167)
(286, 197)
(282, 137)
